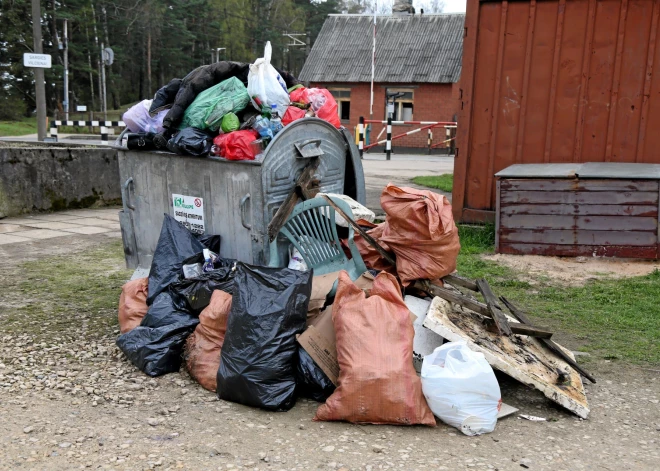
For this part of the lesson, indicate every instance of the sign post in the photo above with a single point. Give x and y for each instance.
(40, 87)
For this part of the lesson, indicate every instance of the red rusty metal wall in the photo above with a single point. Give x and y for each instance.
(554, 81)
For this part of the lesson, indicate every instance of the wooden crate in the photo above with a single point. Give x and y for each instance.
(578, 217)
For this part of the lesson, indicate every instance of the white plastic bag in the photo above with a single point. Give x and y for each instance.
(296, 261)
(138, 119)
(265, 85)
(461, 389)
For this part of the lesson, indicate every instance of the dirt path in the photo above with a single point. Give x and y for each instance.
(69, 400)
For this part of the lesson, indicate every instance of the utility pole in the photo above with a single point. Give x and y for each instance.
(39, 72)
(66, 72)
(103, 94)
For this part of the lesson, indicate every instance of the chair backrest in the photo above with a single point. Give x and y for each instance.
(312, 230)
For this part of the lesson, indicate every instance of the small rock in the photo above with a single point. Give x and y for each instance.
(581, 259)
(64, 445)
(301, 427)
(525, 462)
(152, 421)
(378, 449)
(29, 429)
(329, 448)
(61, 373)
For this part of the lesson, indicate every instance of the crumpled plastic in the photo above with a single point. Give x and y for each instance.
(138, 119)
(236, 145)
(190, 141)
(209, 107)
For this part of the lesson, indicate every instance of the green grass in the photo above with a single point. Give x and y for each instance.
(613, 319)
(18, 128)
(441, 182)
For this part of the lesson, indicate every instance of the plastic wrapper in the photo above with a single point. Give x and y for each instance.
(420, 230)
(230, 123)
(292, 114)
(236, 145)
(138, 119)
(190, 141)
(202, 349)
(194, 294)
(269, 308)
(211, 105)
(175, 245)
(461, 388)
(132, 304)
(266, 86)
(312, 381)
(374, 338)
(324, 105)
(155, 346)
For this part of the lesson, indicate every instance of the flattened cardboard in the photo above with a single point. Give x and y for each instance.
(319, 342)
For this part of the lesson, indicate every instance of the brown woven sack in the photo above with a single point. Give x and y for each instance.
(132, 304)
(202, 350)
(374, 339)
(420, 230)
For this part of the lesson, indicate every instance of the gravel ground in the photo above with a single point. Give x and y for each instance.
(70, 400)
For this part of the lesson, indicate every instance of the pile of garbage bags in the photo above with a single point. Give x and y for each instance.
(264, 336)
(229, 110)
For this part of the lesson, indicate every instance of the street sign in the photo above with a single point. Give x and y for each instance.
(108, 56)
(41, 61)
(81, 108)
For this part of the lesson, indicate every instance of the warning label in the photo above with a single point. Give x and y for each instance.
(190, 211)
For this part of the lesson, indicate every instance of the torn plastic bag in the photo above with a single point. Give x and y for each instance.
(209, 107)
(175, 244)
(266, 86)
(190, 141)
(324, 105)
(292, 114)
(257, 364)
(164, 97)
(210, 241)
(312, 381)
(132, 304)
(138, 119)
(155, 346)
(194, 294)
(236, 145)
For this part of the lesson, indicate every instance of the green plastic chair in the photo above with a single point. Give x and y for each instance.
(311, 229)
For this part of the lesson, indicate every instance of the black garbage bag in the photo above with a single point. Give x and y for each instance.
(175, 244)
(164, 97)
(155, 346)
(210, 241)
(194, 294)
(257, 362)
(191, 141)
(312, 381)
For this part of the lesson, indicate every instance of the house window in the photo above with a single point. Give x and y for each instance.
(343, 98)
(403, 103)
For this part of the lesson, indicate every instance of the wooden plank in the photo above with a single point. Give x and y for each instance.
(494, 308)
(580, 197)
(579, 237)
(551, 345)
(538, 184)
(458, 280)
(596, 223)
(648, 253)
(479, 308)
(581, 210)
(525, 359)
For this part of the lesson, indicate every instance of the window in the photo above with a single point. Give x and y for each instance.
(343, 98)
(403, 103)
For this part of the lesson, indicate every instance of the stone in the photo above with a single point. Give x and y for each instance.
(28, 429)
(329, 448)
(378, 449)
(152, 421)
(64, 445)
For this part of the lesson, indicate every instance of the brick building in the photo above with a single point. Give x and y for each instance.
(416, 55)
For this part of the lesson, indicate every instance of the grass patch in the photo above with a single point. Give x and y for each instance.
(67, 295)
(614, 319)
(18, 128)
(441, 182)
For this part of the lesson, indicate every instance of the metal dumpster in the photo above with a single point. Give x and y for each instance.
(235, 199)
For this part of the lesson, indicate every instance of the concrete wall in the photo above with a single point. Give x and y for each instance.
(55, 178)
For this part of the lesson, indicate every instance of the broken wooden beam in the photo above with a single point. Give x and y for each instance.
(458, 280)
(496, 311)
(479, 308)
(549, 344)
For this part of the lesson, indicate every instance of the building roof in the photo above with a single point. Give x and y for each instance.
(409, 49)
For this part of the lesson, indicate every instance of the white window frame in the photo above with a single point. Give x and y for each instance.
(341, 100)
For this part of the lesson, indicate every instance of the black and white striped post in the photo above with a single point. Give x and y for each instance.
(104, 125)
(430, 139)
(388, 143)
(361, 136)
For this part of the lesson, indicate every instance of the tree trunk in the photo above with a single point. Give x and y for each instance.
(149, 89)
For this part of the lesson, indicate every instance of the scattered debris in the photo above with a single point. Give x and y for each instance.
(533, 418)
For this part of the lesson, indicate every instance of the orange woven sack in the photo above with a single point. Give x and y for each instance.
(132, 304)
(202, 350)
(370, 256)
(374, 339)
(420, 230)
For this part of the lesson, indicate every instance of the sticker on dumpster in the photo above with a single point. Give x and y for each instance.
(190, 211)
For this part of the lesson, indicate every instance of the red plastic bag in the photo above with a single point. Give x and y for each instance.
(374, 339)
(420, 230)
(299, 95)
(292, 114)
(203, 347)
(133, 304)
(324, 105)
(236, 145)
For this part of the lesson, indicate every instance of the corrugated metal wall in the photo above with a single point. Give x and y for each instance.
(554, 81)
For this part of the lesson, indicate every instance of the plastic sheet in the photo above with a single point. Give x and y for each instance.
(175, 245)
(190, 141)
(211, 105)
(269, 308)
(324, 105)
(374, 338)
(293, 113)
(132, 304)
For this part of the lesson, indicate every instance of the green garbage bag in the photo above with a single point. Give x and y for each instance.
(230, 123)
(209, 107)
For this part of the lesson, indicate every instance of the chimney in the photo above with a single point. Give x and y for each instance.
(403, 7)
